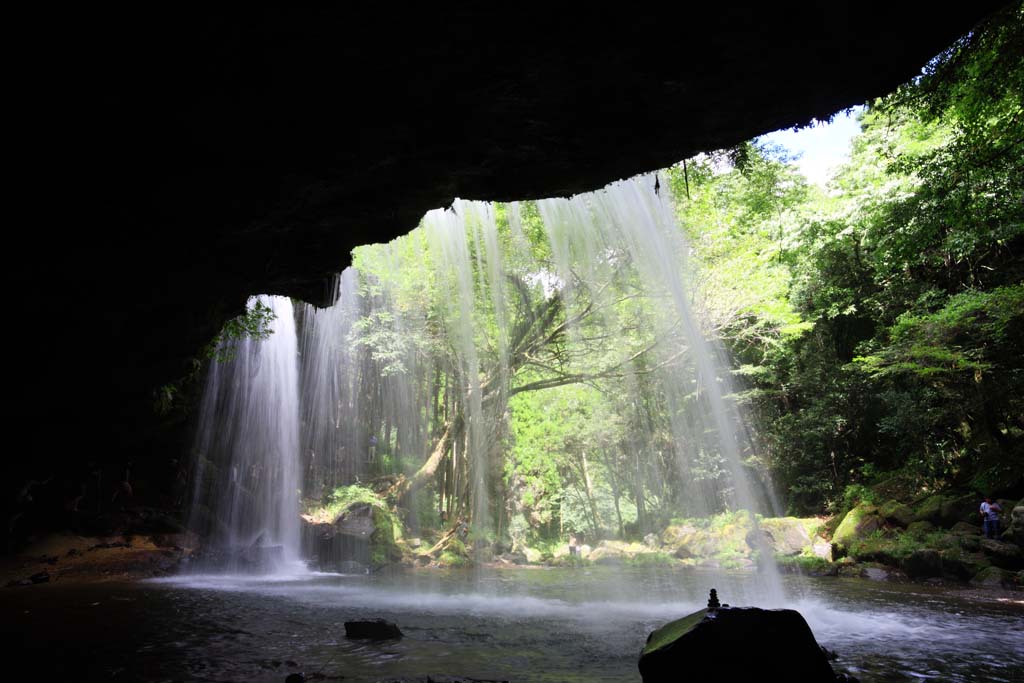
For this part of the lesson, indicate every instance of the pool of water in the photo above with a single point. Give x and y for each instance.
(517, 624)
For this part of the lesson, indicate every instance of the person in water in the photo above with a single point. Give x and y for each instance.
(989, 512)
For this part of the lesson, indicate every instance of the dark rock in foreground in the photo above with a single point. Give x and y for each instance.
(735, 644)
(372, 629)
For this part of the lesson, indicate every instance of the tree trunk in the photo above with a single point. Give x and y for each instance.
(590, 493)
(406, 485)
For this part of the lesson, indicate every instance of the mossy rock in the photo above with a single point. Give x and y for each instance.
(920, 529)
(881, 551)
(961, 567)
(1005, 555)
(850, 571)
(923, 564)
(1015, 532)
(965, 529)
(994, 577)
(611, 552)
(533, 556)
(947, 509)
(450, 559)
(897, 513)
(962, 508)
(653, 559)
(806, 565)
(930, 510)
(699, 545)
(859, 523)
(353, 524)
(785, 535)
(676, 534)
(971, 544)
(383, 549)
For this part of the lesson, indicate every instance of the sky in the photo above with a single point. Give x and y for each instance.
(821, 147)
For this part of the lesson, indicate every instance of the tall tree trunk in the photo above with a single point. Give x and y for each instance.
(406, 485)
(589, 489)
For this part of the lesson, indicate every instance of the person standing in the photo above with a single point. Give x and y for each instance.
(989, 512)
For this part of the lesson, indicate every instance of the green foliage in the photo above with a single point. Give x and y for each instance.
(255, 323)
(340, 499)
(855, 494)
(809, 565)
(652, 560)
(904, 283)
(874, 327)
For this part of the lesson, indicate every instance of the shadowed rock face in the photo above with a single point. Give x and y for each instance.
(206, 158)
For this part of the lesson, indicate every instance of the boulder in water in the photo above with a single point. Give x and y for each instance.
(372, 629)
(735, 644)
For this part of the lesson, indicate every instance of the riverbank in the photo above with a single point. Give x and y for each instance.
(70, 558)
(937, 539)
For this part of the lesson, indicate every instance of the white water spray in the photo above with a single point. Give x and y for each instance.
(365, 389)
(248, 447)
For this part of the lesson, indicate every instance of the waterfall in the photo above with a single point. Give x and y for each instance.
(429, 340)
(247, 447)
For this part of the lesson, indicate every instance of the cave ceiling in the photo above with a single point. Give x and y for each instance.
(209, 157)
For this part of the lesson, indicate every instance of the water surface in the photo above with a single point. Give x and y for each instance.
(517, 624)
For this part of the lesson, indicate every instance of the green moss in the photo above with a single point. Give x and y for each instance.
(570, 561)
(882, 547)
(654, 559)
(897, 512)
(450, 559)
(804, 564)
(859, 523)
(339, 500)
(931, 508)
(921, 529)
(672, 631)
(383, 549)
(386, 527)
(457, 547)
